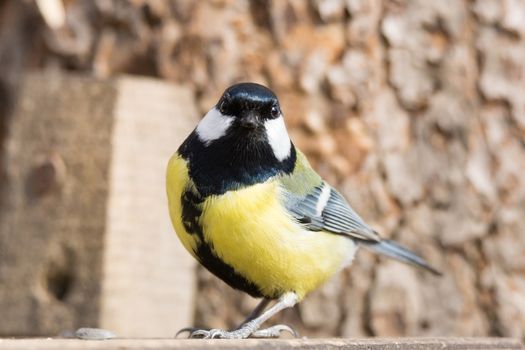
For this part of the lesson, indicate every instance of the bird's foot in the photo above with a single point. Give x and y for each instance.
(202, 333)
(247, 330)
(274, 332)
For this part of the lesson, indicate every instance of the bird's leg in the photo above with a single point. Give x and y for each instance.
(257, 311)
(251, 326)
(270, 332)
(254, 314)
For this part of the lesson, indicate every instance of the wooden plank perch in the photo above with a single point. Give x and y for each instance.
(254, 344)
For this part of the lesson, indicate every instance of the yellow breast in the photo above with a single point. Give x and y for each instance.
(251, 231)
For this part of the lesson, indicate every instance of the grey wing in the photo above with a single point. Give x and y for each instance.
(325, 209)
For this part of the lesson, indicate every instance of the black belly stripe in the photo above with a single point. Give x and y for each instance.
(227, 273)
(191, 212)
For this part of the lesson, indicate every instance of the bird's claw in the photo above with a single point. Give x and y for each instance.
(214, 334)
(203, 333)
(190, 330)
(274, 332)
(218, 333)
(241, 333)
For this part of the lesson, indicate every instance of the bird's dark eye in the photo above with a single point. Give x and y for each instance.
(274, 112)
(223, 106)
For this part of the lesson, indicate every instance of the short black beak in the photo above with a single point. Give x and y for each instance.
(249, 121)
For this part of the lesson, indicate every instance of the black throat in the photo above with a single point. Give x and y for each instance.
(232, 161)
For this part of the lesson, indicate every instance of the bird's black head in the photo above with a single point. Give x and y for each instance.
(242, 140)
(250, 104)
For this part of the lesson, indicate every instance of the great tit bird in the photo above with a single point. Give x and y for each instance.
(247, 205)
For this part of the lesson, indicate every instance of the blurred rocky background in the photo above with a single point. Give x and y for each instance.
(414, 109)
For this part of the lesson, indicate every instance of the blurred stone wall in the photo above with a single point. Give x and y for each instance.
(414, 109)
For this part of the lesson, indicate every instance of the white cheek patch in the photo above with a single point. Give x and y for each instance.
(278, 138)
(213, 126)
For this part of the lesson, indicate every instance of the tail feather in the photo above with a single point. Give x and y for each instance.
(395, 251)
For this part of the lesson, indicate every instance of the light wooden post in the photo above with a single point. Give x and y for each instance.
(85, 237)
